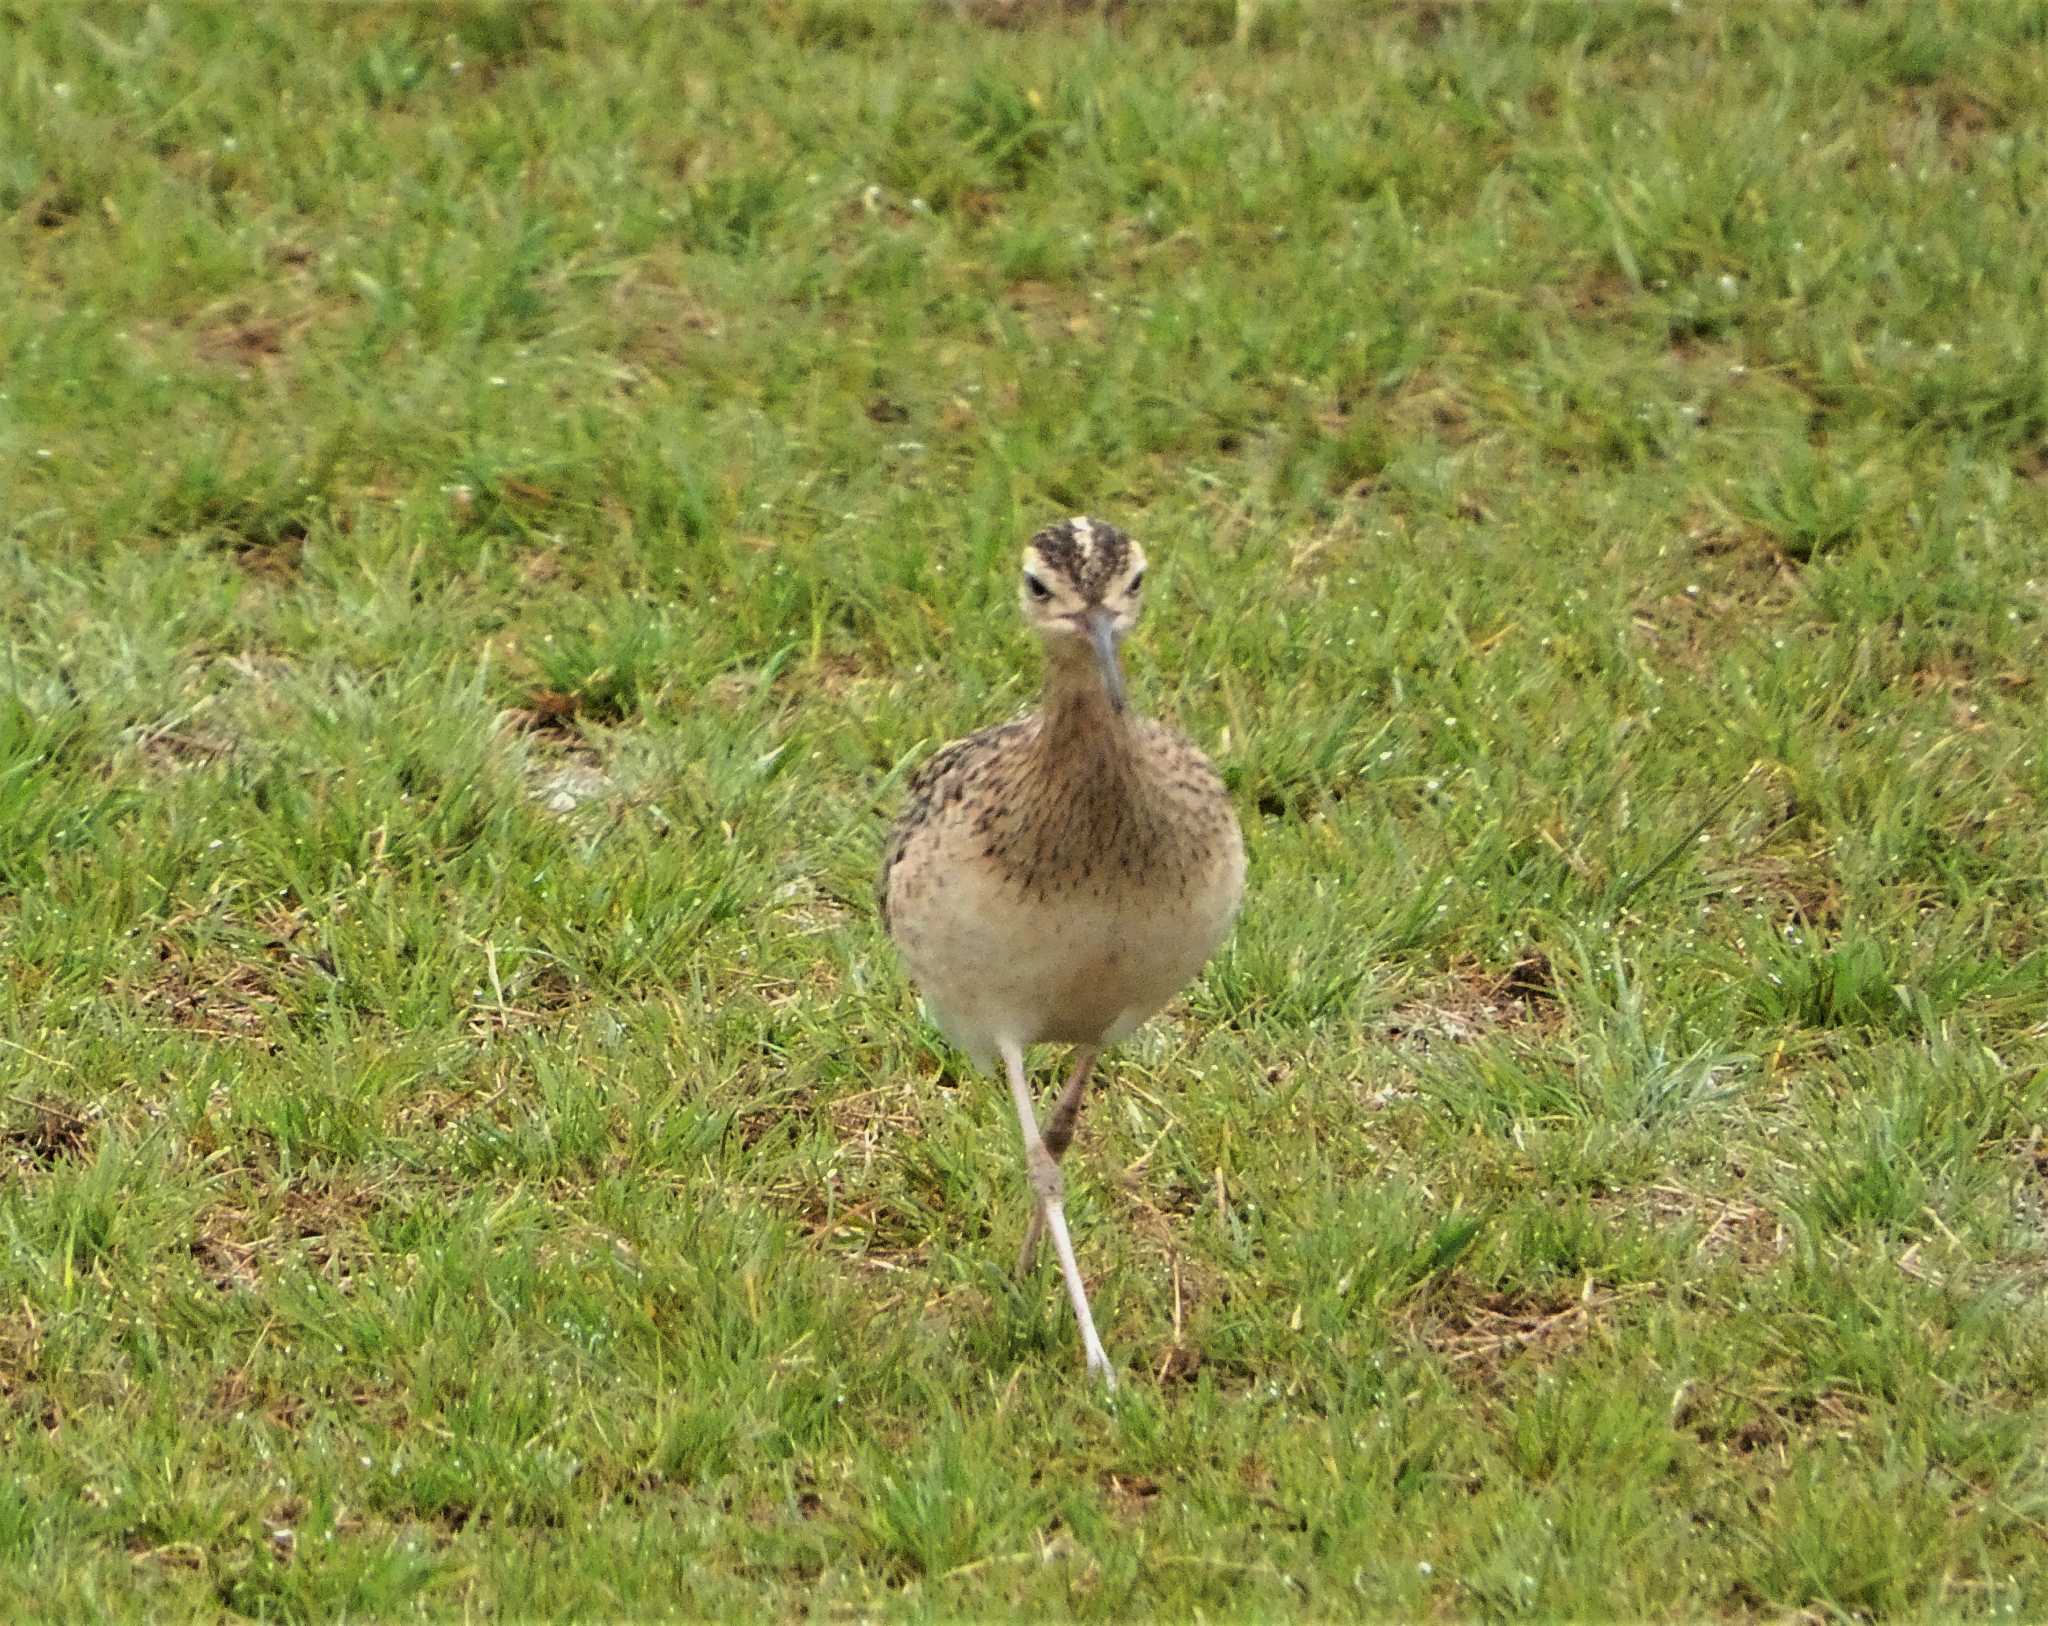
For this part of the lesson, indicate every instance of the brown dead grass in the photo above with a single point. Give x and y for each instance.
(1424, 405)
(46, 1133)
(1730, 1227)
(211, 995)
(1480, 1332)
(254, 343)
(1600, 292)
(563, 771)
(170, 748)
(242, 342)
(229, 1265)
(666, 329)
(1132, 1495)
(1789, 888)
(544, 996)
(275, 557)
(1737, 580)
(549, 715)
(1476, 999)
(323, 1221)
(1962, 113)
(1052, 312)
(1764, 1421)
(1018, 14)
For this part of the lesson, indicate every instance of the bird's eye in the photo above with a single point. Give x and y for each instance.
(1036, 588)
(1136, 582)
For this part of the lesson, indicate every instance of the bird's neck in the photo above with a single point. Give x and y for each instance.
(1085, 802)
(1076, 709)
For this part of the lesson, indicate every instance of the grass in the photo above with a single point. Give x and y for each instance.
(496, 498)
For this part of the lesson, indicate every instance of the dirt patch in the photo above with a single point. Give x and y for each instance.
(1478, 1000)
(1177, 1363)
(548, 713)
(329, 1221)
(1424, 406)
(1131, 1494)
(1052, 311)
(226, 1001)
(1738, 577)
(1968, 688)
(565, 771)
(1737, 582)
(1732, 1227)
(664, 325)
(1766, 1422)
(48, 1134)
(1530, 982)
(232, 1394)
(1015, 14)
(1962, 118)
(837, 674)
(544, 995)
(52, 207)
(1482, 1334)
(249, 341)
(1792, 886)
(1601, 292)
(274, 556)
(325, 1218)
(244, 344)
(1961, 114)
(171, 748)
(229, 1266)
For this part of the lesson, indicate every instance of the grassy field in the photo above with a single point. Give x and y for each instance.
(494, 501)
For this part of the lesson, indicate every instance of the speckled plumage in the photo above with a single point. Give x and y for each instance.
(1086, 552)
(1115, 841)
(1059, 878)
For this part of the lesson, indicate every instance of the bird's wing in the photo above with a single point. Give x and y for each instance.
(942, 780)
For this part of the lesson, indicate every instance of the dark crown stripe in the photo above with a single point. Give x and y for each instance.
(1091, 561)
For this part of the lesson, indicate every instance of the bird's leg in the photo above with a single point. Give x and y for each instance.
(1059, 1128)
(1050, 1190)
(1059, 1131)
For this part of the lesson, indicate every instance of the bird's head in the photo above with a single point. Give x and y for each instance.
(1080, 590)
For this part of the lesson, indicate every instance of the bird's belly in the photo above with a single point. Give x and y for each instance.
(1065, 970)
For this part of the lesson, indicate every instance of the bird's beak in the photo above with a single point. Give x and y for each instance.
(1101, 625)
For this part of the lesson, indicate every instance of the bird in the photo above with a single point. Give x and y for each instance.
(1059, 878)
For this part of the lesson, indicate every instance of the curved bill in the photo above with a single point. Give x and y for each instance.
(1101, 625)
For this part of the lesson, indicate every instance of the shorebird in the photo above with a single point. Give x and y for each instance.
(1056, 880)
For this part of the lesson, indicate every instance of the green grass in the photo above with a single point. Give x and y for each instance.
(493, 501)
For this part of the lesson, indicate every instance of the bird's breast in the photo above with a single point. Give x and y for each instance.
(1040, 958)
